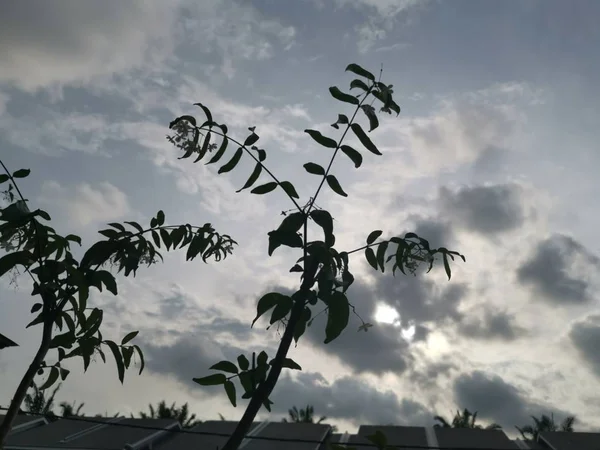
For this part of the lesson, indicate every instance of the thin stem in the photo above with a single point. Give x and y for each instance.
(242, 146)
(314, 198)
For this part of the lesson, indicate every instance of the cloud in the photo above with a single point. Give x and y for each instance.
(561, 270)
(585, 336)
(487, 209)
(85, 203)
(347, 398)
(459, 133)
(73, 41)
(491, 325)
(498, 401)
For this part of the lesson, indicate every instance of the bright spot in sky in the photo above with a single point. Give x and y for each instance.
(408, 333)
(386, 314)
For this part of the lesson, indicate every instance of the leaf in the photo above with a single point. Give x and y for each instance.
(342, 119)
(325, 221)
(297, 268)
(292, 223)
(289, 189)
(282, 309)
(291, 364)
(314, 169)
(160, 218)
(219, 154)
(51, 379)
(230, 391)
(98, 253)
(447, 266)
(108, 280)
(264, 188)
(251, 139)
(205, 146)
(36, 307)
(21, 173)
(337, 316)
(141, 355)
(267, 302)
(381, 255)
(278, 238)
(243, 362)
(109, 233)
(73, 238)
(206, 111)
(232, 162)
(373, 235)
(364, 139)
(129, 336)
(371, 258)
(225, 366)
(301, 325)
(371, 115)
(155, 238)
(118, 359)
(116, 225)
(341, 96)
(320, 139)
(253, 177)
(353, 155)
(211, 380)
(166, 237)
(9, 261)
(4, 178)
(358, 70)
(358, 84)
(334, 184)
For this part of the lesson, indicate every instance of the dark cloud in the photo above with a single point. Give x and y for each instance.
(585, 336)
(347, 398)
(493, 324)
(437, 232)
(550, 270)
(484, 209)
(495, 400)
(428, 377)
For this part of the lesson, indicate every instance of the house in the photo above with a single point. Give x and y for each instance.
(91, 433)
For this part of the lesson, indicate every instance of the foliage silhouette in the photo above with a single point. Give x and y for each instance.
(162, 411)
(464, 419)
(324, 271)
(545, 423)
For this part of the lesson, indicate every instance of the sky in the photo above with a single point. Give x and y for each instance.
(494, 154)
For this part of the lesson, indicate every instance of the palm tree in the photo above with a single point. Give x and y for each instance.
(466, 419)
(182, 415)
(305, 415)
(37, 403)
(69, 410)
(545, 423)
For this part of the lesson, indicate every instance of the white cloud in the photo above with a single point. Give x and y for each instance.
(85, 203)
(75, 41)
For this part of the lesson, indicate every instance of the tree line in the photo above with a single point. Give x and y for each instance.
(36, 402)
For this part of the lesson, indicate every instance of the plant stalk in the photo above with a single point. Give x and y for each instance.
(26, 381)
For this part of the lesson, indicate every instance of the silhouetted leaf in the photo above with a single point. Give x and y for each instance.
(128, 337)
(166, 237)
(342, 119)
(141, 355)
(211, 380)
(371, 115)
(371, 258)
(337, 316)
(243, 362)
(447, 266)
(320, 139)
(334, 184)
(289, 189)
(107, 279)
(217, 156)
(267, 302)
(282, 309)
(225, 366)
(341, 96)
(11, 260)
(232, 162)
(206, 111)
(118, 359)
(358, 70)
(358, 84)
(4, 178)
(297, 268)
(381, 249)
(251, 139)
(291, 364)
(325, 221)
(364, 139)
(52, 377)
(21, 173)
(264, 188)
(253, 177)
(373, 235)
(352, 154)
(314, 168)
(230, 390)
